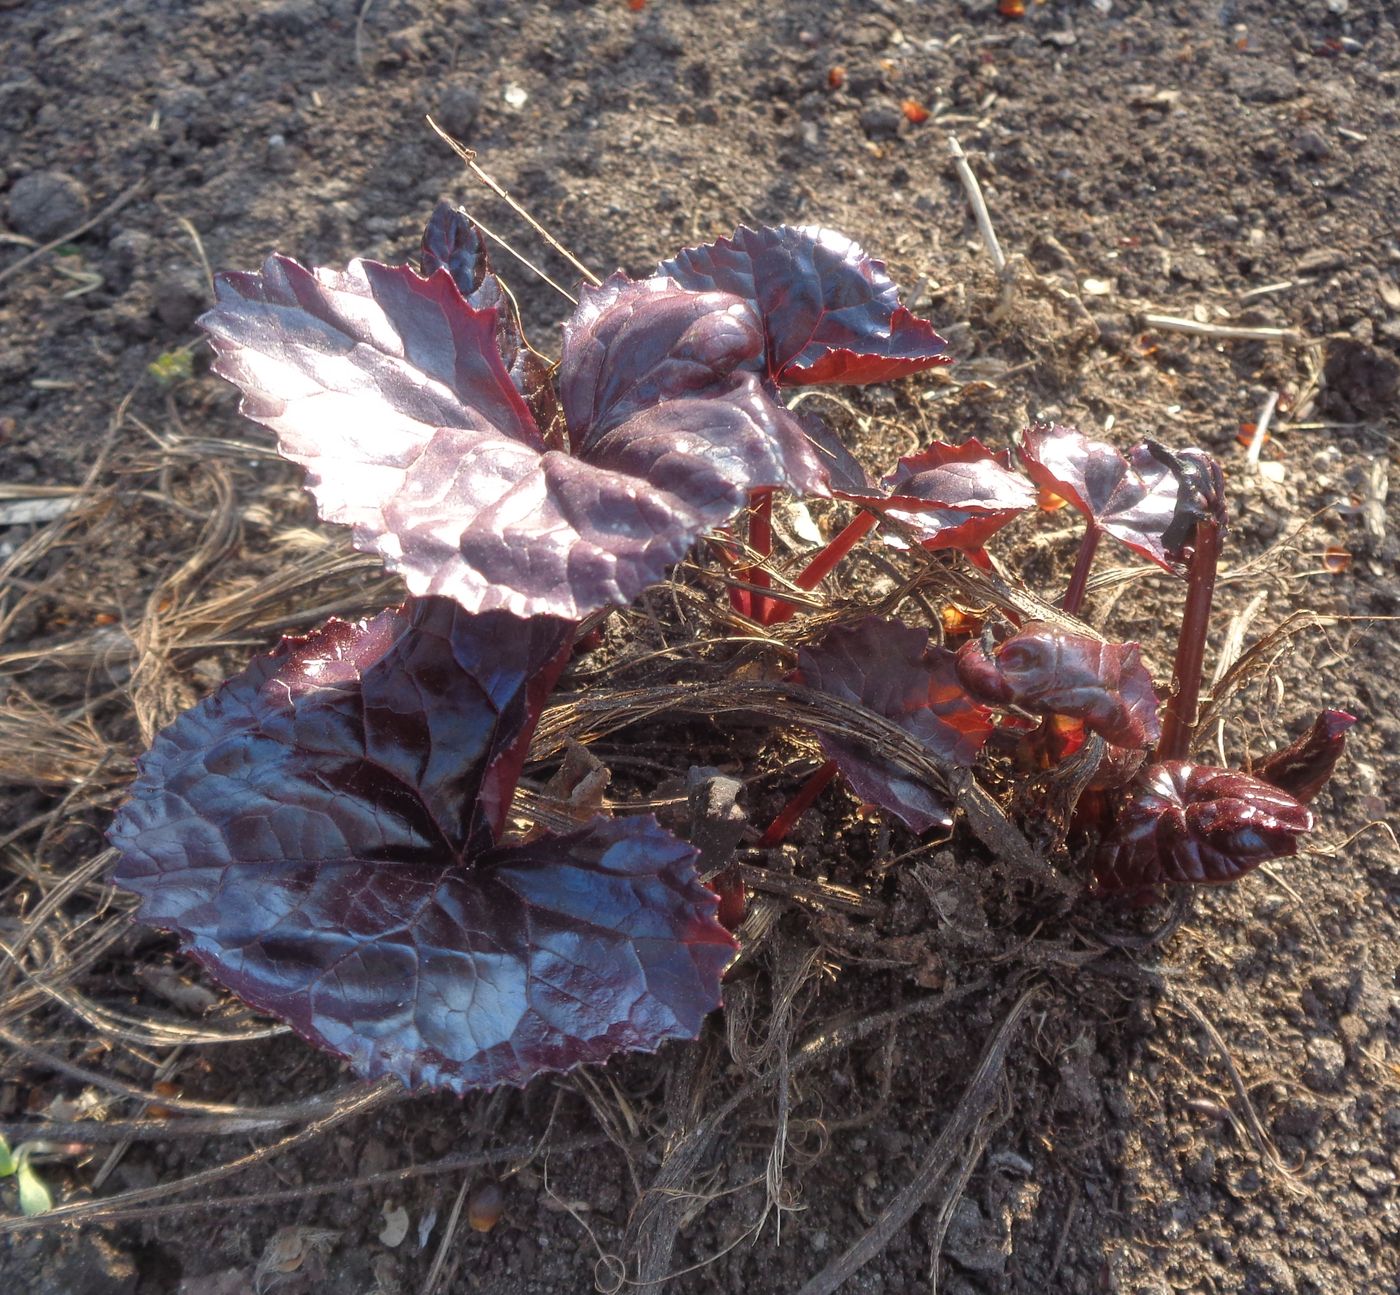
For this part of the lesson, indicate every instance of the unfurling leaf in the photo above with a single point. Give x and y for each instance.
(1186, 823)
(1303, 768)
(391, 391)
(453, 243)
(324, 835)
(893, 670)
(1133, 498)
(830, 313)
(1051, 670)
(1200, 497)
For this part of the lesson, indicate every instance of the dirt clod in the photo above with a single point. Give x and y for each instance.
(46, 204)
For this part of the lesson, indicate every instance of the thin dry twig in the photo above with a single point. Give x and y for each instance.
(978, 204)
(77, 231)
(1261, 432)
(1223, 332)
(468, 156)
(366, 1100)
(1263, 1143)
(973, 1106)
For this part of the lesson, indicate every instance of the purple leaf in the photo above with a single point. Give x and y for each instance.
(1187, 823)
(892, 669)
(452, 243)
(320, 833)
(1133, 498)
(845, 475)
(1200, 497)
(956, 496)
(1303, 768)
(829, 312)
(1051, 670)
(391, 392)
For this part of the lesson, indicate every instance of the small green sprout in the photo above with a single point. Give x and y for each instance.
(34, 1197)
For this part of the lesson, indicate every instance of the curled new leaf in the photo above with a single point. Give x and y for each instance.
(391, 391)
(452, 243)
(1303, 768)
(1133, 497)
(956, 496)
(1200, 497)
(1187, 823)
(323, 834)
(893, 670)
(830, 313)
(1048, 669)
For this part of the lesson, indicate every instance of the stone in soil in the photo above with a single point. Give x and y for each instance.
(1327, 1062)
(44, 205)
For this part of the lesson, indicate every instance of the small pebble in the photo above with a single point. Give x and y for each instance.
(1327, 1061)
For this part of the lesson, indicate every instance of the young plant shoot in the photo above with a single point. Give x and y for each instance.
(330, 832)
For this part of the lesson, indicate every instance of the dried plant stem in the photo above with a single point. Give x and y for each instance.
(366, 1100)
(111, 209)
(1224, 332)
(972, 1108)
(468, 157)
(1261, 432)
(978, 204)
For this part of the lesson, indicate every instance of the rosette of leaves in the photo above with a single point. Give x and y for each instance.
(425, 422)
(326, 834)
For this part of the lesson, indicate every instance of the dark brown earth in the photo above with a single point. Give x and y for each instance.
(1219, 1112)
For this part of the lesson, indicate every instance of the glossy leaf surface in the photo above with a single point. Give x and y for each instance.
(1048, 669)
(322, 834)
(893, 670)
(390, 390)
(829, 312)
(1303, 768)
(1133, 497)
(956, 496)
(1187, 823)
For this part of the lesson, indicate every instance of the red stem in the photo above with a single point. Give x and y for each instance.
(825, 562)
(761, 542)
(1179, 726)
(1079, 581)
(797, 806)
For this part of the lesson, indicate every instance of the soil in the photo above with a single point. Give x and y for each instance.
(1217, 1112)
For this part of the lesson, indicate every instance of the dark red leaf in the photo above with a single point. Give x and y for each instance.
(1133, 498)
(1051, 670)
(830, 312)
(321, 834)
(1186, 823)
(956, 496)
(893, 670)
(452, 243)
(391, 392)
(1200, 497)
(1303, 768)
